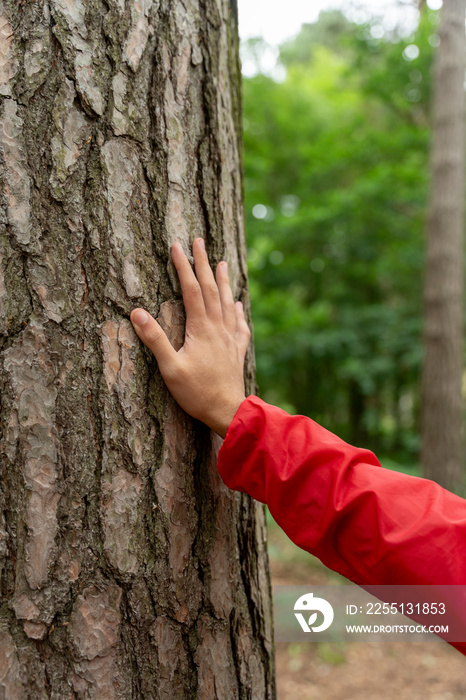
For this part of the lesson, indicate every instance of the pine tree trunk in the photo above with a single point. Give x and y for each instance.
(442, 444)
(128, 569)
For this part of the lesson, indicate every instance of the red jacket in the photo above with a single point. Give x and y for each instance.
(370, 524)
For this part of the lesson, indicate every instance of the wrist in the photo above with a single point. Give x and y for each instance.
(222, 419)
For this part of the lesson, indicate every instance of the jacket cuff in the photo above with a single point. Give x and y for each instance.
(236, 465)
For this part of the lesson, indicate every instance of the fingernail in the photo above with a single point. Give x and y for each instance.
(139, 317)
(224, 266)
(201, 243)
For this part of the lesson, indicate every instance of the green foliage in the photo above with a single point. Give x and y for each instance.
(332, 653)
(336, 187)
(333, 30)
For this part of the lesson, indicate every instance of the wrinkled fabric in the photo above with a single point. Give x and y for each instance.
(372, 525)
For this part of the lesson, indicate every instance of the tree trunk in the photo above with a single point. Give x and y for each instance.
(442, 445)
(128, 569)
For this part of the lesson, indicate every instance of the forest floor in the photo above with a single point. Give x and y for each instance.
(356, 670)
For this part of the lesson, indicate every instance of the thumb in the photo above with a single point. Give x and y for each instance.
(154, 337)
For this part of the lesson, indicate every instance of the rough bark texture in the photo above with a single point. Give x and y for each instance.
(442, 444)
(128, 569)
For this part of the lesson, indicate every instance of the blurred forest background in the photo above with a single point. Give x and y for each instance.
(337, 137)
(336, 190)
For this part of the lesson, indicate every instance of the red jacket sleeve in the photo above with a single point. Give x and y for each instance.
(372, 525)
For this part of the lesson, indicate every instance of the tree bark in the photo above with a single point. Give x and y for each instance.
(128, 569)
(442, 444)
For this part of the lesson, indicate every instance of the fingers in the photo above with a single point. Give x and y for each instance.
(190, 288)
(243, 333)
(156, 340)
(202, 293)
(226, 298)
(205, 277)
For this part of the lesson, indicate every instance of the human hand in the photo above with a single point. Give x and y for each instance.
(205, 376)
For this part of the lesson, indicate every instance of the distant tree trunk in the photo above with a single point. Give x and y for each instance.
(128, 569)
(442, 444)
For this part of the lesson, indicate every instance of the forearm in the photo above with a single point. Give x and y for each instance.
(370, 524)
